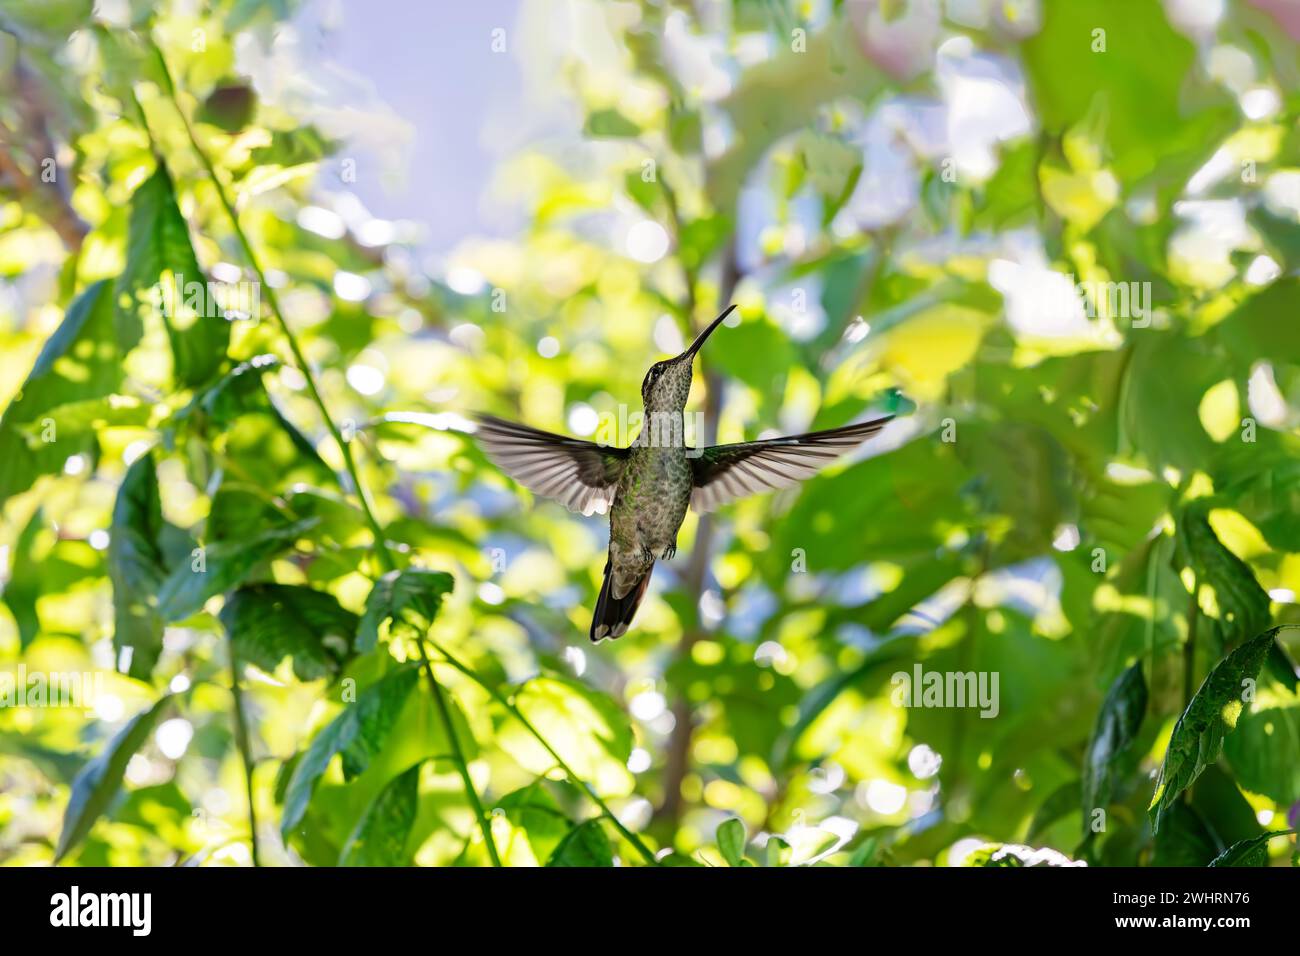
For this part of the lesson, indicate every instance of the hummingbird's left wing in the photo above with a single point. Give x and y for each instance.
(725, 473)
(581, 475)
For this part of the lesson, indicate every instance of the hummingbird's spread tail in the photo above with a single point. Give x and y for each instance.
(614, 615)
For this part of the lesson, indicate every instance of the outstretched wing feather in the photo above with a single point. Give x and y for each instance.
(581, 475)
(725, 473)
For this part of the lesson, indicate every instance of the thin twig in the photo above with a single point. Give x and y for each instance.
(245, 751)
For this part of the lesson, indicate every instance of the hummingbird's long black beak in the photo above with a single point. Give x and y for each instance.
(699, 339)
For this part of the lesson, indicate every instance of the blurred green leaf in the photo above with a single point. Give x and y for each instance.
(221, 566)
(137, 567)
(731, 841)
(160, 243)
(538, 817)
(24, 581)
(1184, 838)
(269, 622)
(414, 588)
(358, 733)
(1264, 752)
(1117, 727)
(1126, 62)
(1243, 604)
(97, 784)
(1252, 852)
(610, 123)
(237, 411)
(383, 831)
(584, 726)
(79, 361)
(1212, 713)
(585, 846)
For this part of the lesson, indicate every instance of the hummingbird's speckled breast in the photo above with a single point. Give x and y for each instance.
(649, 507)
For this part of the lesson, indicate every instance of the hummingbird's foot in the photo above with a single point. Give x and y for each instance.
(647, 553)
(669, 552)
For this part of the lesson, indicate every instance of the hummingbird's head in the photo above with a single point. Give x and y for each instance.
(668, 383)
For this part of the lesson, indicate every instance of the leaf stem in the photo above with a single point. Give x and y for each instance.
(458, 755)
(381, 551)
(245, 751)
(515, 712)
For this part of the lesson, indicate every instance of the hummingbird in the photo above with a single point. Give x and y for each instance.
(648, 486)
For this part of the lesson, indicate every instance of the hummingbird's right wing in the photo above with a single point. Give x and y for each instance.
(581, 475)
(725, 473)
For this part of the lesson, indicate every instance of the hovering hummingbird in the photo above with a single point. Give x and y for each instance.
(651, 483)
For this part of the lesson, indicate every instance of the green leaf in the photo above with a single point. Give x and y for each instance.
(268, 449)
(382, 833)
(1198, 736)
(1261, 327)
(415, 588)
(159, 242)
(1061, 801)
(1253, 852)
(537, 816)
(777, 852)
(758, 354)
(1143, 83)
(1117, 727)
(830, 162)
(82, 419)
(23, 585)
(224, 565)
(700, 239)
(1264, 753)
(588, 730)
(300, 146)
(1282, 668)
(1243, 604)
(80, 360)
(358, 733)
(1167, 375)
(731, 841)
(585, 846)
(866, 852)
(646, 193)
(1011, 194)
(240, 511)
(1185, 838)
(137, 568)
(269, 622)
(611, 123)
(1217, 797)
(98, 782)
(678, 860)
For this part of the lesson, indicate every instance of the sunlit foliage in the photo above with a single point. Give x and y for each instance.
(1058, 239)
